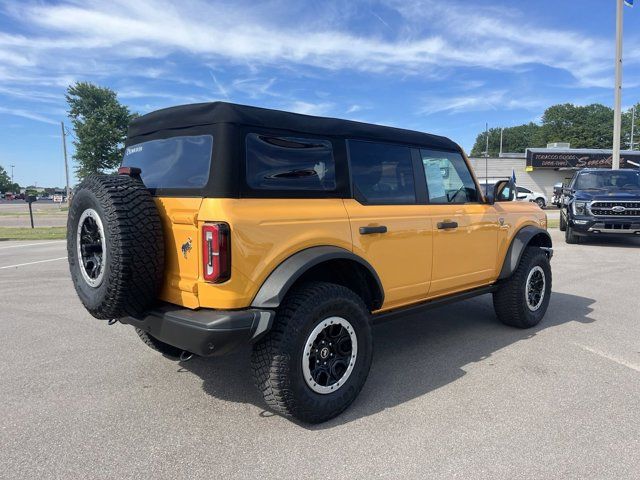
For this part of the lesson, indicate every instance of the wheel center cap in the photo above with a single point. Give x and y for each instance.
(324, 353)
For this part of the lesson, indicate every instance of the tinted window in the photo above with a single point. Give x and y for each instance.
(523, 190)
(177, 162)
(607, 179)
(382, 173)
(289, 163)
(448, 177)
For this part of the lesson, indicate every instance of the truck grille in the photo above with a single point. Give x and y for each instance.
(616, 209)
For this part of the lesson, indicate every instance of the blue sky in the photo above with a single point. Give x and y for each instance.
(441, 66)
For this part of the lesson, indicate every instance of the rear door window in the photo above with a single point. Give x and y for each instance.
(382, 173)
(176, 162)
(289, 163)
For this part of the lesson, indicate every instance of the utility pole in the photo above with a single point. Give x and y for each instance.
(486, 153)
(12, 172)
(66, 164)
(615, 159)
(501, 130)
(633, 123)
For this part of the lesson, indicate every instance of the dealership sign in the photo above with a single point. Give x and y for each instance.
(547, 158)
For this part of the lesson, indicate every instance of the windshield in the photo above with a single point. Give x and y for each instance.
(607, 179)
(177, 162)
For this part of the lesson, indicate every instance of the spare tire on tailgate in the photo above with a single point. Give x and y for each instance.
(115, 246)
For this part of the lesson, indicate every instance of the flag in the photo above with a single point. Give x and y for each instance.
(628, 3)
(513, 176)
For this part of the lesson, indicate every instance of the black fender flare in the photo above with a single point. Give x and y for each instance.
(524, 236)
(278, 283)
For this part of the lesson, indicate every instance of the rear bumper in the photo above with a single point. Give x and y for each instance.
(204, 332)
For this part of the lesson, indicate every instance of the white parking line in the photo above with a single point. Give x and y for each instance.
(46, 242)
(610, 357)
(33, 263)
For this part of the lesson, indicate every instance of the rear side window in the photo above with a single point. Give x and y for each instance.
(289, 163)
(176, 162)
(382, 173)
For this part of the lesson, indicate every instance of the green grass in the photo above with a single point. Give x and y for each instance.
(36, 213)
(40, 233)
(553, 223)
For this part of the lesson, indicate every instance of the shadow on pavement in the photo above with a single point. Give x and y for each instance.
(612, 241)
(412, 356)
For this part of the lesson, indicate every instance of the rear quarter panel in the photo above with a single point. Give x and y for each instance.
(264, 232)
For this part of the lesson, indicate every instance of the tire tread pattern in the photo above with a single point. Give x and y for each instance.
(271, 360)
(135, 252)
(508, 300)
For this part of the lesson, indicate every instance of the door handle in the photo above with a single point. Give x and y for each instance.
(370, 230)
(447, 225)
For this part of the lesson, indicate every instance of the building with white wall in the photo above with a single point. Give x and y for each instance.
(540, 168)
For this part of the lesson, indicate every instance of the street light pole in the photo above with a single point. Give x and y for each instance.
(633, 123)
(66, 164)
(615, 159)
(12, 172)
(486, 154)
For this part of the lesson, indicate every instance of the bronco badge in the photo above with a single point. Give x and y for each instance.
(186, 247)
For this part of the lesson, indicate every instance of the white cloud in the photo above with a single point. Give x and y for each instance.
(308, 108)
(18, 112)
(243, 33)
(493, 100)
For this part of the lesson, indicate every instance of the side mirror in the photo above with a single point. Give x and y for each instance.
(504, 191)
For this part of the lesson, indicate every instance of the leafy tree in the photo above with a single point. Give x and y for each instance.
(626, 129)
(100, 123)
(588, 126)
(5, 182)
(514, 139)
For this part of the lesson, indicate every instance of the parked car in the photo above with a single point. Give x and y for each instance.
(526, 195)
(233, 225)
(600, 202)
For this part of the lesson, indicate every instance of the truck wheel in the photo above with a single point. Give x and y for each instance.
(115, 246)
(523, 299)
(157, 345)
(570, 237)
(563, 222)
(315, 359)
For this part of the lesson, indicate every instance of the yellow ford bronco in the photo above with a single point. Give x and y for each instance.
(231, 225)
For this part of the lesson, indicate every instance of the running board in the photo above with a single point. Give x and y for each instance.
(436, 302)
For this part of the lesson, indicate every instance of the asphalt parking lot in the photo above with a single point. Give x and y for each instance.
(451, 394)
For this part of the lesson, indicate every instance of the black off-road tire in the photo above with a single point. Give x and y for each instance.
(570, 237)
(134, 246)
(159, 346)
(509, 301)
(563, 222)
(277, 358)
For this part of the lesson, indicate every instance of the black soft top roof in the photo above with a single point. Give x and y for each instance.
(196, 114)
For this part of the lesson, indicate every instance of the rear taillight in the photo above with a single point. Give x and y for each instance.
(216, 252)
